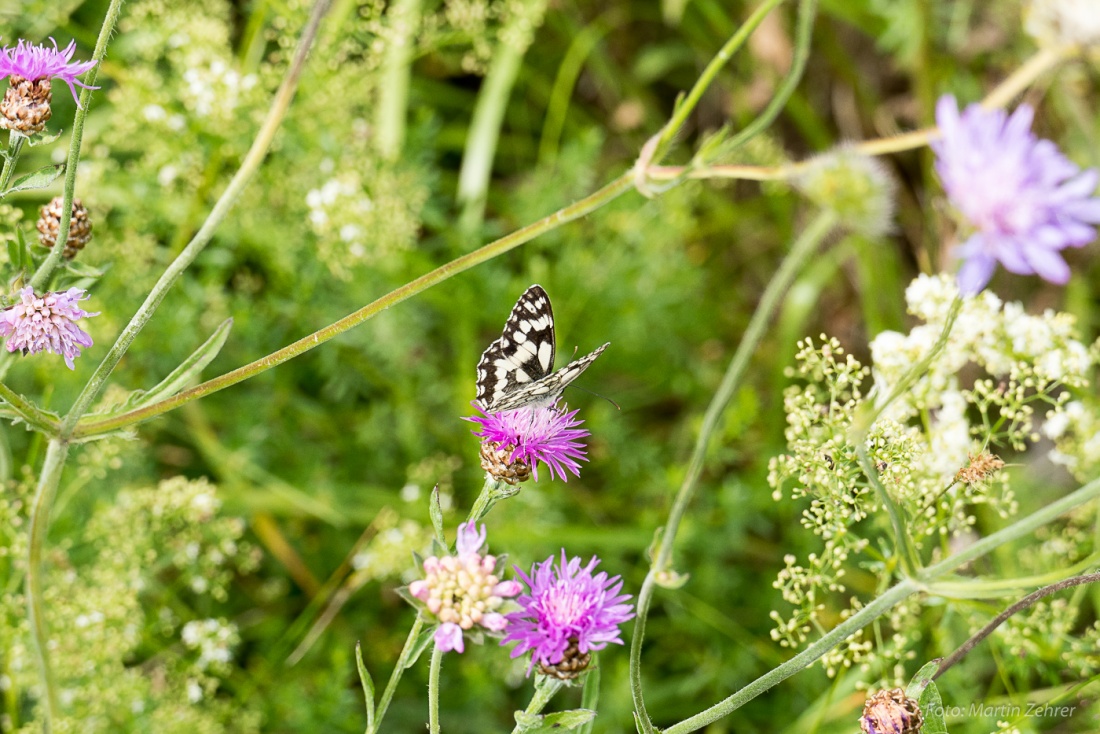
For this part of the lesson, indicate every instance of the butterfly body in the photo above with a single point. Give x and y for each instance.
(517, 370)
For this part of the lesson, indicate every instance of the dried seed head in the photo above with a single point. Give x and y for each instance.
(573, 663)
(891, 712)
(26, 105)
(49, 226)
(497, 461)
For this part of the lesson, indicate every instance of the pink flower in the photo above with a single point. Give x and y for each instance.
(39, 62)
(463, 591)
(46, 323)
(567, 609)
(548, 434)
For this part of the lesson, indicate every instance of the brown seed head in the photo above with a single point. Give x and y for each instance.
(26, 105)
(49, 226)
(891, 712)
(496, 460)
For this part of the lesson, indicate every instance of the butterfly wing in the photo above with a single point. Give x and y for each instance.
(523, 354)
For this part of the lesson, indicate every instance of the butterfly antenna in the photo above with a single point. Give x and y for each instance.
(598, 395)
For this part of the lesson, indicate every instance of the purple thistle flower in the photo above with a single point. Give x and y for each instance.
(47, 323)
(1025, 200)
(548, 434)
(463, 591)
(566, 606)
(39, 62)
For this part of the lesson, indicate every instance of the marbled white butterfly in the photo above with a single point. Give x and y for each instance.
(516, 371)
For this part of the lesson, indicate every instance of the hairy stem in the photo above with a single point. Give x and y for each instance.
(28, 411)
(433, 689)
(249, 166)
(1000, 619)
(42, 276)
(48, 482)
(803, 247)
(15, 148)
(545, 690)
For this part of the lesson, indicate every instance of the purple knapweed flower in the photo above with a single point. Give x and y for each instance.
(567, 613)
(523, 437)
(463, 591)
(46, 323)
(33, 62)
(1025, 200)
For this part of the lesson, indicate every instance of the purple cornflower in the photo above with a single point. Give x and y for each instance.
(47, 323)
(33, 62)
(568, 613)
(463, 591)
(1025, 200)
(526, 436)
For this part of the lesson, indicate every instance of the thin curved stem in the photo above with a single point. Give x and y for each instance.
(398, 670)
(611, 191)
(41, 276)
(1000, 619)
(48, 482)
(433, 690)
(244, 175)
(803, 247)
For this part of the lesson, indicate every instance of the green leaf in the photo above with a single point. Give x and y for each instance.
(24, 249)
(368, 685)
(590, 696)
(927, 695)
(39, 179)
(43, 138)
(183, 375)
(421, 645)
(560, 721)
(435, 511)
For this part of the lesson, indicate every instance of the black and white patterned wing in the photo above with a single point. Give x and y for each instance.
(523, 354)
(515, 371)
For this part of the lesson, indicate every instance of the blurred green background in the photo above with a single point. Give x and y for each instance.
(353, 435)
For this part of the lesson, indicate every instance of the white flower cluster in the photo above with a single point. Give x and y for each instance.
(214, 639)
(387, 554)
(1064, 22)
(214, 89)
(338, 210)
(1075, 430)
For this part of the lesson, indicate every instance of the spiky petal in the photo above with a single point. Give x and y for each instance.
(529, 435)
(34, 62)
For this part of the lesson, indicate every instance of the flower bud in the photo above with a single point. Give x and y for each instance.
(891, 712)
(854, 186)
(49, 226)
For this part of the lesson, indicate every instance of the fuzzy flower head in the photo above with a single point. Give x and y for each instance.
(1024, 199)
(513, 442)
(46, 323)
(463, 590)
(33, 62)
(568, 613)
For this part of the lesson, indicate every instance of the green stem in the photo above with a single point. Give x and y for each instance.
(903, 544)
(611, 191)
(879, 606)
(48, 481)
(393, 90)
(687, 106)
(481, 141)
(433, 690)
(42, 276)
(15, 147)
(398, 670)
(491, 493)
(249, 166)
(546, 688)
(801, 250)
(28, 411)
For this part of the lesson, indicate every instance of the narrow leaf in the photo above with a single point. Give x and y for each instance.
(435, 510)
(422, 643)
(188, 371)
(922, 680)
(931, 707)
(39, 179)
(368, 685)
(24, 250)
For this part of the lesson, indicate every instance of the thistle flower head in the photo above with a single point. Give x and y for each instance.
(1024, 199)
(46, 323)
(463, 590)
(33, 62)
(568, 611)
(526, 436)
(891, 712)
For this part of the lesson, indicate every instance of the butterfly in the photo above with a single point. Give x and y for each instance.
(516, 371)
